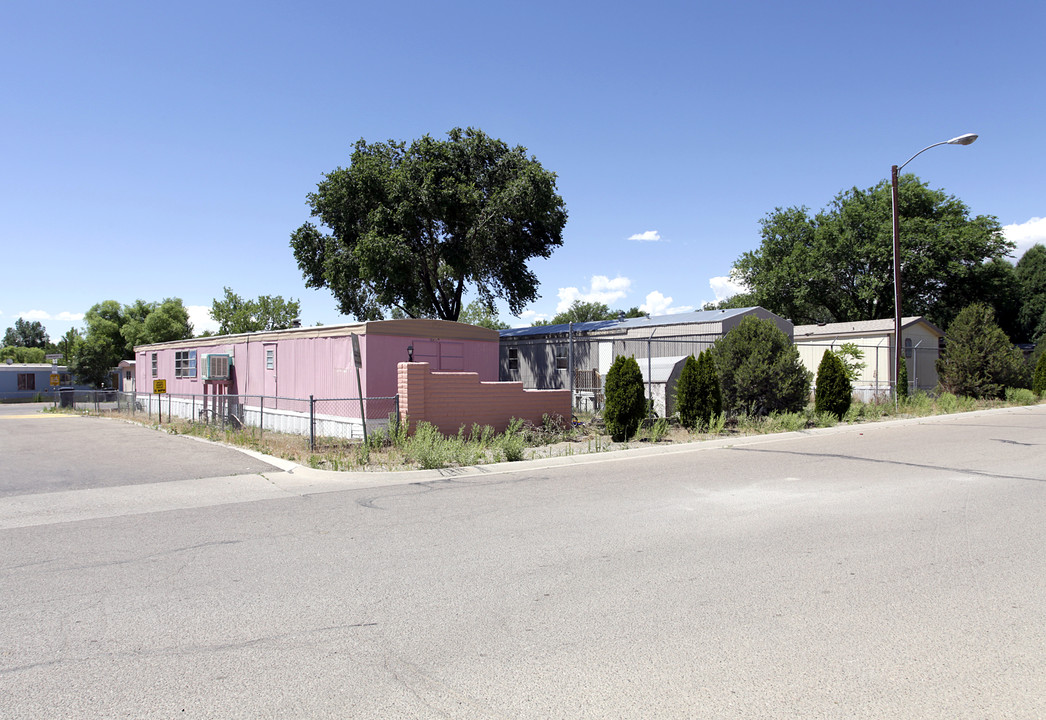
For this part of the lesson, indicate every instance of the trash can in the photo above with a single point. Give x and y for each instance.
(66, 396)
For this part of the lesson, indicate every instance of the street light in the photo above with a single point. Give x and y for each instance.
(961, 140)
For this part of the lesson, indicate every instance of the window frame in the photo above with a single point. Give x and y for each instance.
(562, 360)
(185, 363)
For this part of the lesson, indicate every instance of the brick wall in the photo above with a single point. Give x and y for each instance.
(449, 400)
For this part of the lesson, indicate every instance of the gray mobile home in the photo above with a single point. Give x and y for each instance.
(552, 356)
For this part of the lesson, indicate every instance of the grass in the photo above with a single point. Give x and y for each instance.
(427, 448)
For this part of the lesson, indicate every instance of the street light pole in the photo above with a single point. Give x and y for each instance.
(894, 172)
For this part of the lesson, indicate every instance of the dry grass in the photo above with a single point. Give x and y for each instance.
(480, 445)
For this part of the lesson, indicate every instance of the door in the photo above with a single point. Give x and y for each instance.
(269, 369)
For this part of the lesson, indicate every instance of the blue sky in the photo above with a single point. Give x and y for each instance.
(152, 150)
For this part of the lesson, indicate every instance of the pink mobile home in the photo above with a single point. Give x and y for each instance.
(314, 361)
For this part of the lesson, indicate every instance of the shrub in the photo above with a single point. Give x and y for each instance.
(625, 402)
(1038, 384)
(979, 360)
(850, 356)
(759, 370)
(698, 395)
(1021, 396)
(902, 380)
(512, 442)
(834, 394)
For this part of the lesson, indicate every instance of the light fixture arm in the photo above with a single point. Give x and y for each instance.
(961, 140)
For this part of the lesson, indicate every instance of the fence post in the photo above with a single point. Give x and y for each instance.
(261, 416)
(397, 426)
(312, 423)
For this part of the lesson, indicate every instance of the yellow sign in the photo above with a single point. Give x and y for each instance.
(56, 379)
(159, 386)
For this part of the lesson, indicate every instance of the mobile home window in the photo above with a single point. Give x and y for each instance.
(270, 358)
(561, 358)
(513, 358)
(185, 363)
(26, 381)
(154, 365)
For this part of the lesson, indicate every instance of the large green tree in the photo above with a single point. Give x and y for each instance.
(234, 314)
(1031, 278)
(411, 226)
(113, 330)
(479, 313)
(836, 265)
(27, 334)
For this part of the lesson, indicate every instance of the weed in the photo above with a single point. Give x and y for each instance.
(512, 442)
(825, 420)
(1021, 396)
(658, 430)
(947, 403)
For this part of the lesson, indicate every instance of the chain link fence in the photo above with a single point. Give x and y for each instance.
(327, 422)
(581, 363)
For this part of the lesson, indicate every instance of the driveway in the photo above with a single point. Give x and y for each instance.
(44, 453)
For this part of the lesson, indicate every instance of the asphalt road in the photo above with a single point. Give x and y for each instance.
(888, 571)
(51, 452)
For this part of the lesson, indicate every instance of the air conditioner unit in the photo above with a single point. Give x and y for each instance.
(216, 366)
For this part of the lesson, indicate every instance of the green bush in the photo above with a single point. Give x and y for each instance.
(1021, 396)
(512, 443)
(979, 360)
(625, 402)
(759, 370)
(698, 397)
(834, 394)
(1038, 384)
(902, 380)
(428, 448)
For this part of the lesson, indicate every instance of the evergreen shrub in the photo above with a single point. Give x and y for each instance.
(979, 360)
(625, 401)
(759, 370)
(834, 392)
(698, 396)
(1038, 384)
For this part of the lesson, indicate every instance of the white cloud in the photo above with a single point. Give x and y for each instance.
(648, 236)
(35, 315)
(601, 289)
(1025, 235)
(657, 304)
(725, 288)
(200, 317)
(69, 317)
(529, 317)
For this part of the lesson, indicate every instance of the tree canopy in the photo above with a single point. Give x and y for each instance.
(836, 266)
(583, 311)
(113, 331)
(269, 312)
(411, 226)
(26, 334)
(483, 315)
(1031, 279)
